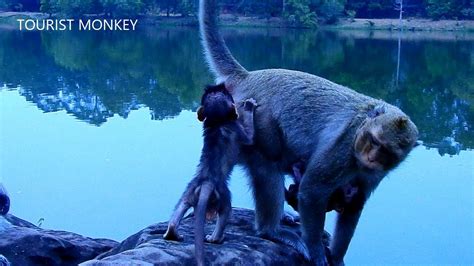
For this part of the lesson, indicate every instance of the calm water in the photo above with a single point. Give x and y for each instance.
(98, 133)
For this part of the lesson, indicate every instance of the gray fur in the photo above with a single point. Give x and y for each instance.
(309, 118)
(220, 60)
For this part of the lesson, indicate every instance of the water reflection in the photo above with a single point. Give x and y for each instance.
(96, 75)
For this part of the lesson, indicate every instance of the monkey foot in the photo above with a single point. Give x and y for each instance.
(290, 219)
(214, 240)
(173, 235)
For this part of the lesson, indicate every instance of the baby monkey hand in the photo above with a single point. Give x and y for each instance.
(249, 104)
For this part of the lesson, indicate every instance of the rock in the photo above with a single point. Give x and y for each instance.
(23, 243)
(241, 246)
(4, 261)
(4, 201)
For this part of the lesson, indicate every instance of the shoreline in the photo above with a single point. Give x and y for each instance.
(8, 21)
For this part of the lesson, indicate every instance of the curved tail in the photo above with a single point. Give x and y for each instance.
(218, 56)
(199, 219)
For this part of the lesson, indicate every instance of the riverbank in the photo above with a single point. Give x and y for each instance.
(9, 20)
(406, 24)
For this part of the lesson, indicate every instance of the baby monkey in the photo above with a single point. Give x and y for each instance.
(225, 129)
(338, 200)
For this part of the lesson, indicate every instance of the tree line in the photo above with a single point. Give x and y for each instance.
(299, 12)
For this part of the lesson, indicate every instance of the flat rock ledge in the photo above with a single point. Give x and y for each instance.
(24, 244)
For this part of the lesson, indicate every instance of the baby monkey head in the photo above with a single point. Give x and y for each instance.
(217, 106)
(385, 138)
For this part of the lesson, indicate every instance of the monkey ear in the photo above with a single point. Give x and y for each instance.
(233, 115)
(200, 114)
(402, 122)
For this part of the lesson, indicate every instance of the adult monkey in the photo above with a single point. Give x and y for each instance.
(344, 136)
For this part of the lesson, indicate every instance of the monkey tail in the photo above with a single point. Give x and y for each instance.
(218, 56)
(200, 218)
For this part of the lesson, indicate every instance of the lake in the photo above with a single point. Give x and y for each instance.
(98, 131)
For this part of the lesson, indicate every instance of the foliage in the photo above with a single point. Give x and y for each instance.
(331, 10)
(442, 9)
(371, 8)
(305, 13)
(122, 8)
(298, 13)
(188, 7)
(48, 6)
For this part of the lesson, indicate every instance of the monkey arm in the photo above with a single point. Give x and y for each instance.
(312, 203)
(345, 227)
(321, 178)
(347, 221)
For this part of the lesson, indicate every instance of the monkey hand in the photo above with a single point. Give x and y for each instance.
(320, 257)
(249, 104)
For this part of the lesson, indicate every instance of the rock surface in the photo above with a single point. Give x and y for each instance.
(241, 246)
(23, 243)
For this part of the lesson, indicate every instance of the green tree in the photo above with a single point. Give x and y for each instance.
(188, 7)
(371, 8)
(48, 6)
(298, 13)
(120, 8)
(448, 9)
(331, 10)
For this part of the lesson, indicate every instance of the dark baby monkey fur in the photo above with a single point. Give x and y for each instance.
(306, 117)
(338, 200)
(225, 130)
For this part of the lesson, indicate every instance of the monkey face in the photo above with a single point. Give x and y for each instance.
(382, 142)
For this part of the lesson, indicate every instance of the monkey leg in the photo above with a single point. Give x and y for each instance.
(172, 231)
(345, 228)
(268, 192)
(312, 209)
(346, 223)
(217, 235)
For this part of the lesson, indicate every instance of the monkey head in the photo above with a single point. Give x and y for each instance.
(384, 139)
(217, 105)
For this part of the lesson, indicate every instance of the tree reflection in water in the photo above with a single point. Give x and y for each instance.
(96, 75)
